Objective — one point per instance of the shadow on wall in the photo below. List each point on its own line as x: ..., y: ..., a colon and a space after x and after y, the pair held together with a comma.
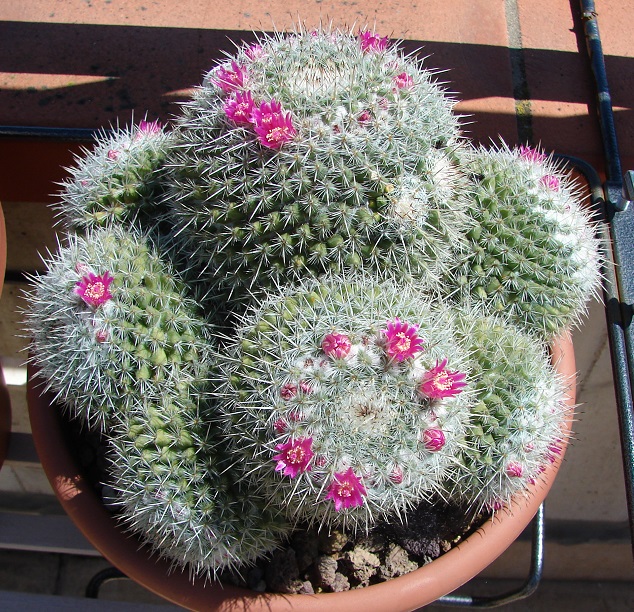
x: 92, y: 76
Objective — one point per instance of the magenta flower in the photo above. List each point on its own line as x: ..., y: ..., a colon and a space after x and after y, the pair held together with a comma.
x: 273, y: 126
x: 230, y: 79
x: 346, y: 490
x: 149, y: 127
x: 396, y: 476
x: 94, y: 289
x: 305, y: 387
x: 514, y: 469
x: 240, y: 108
x: 101, y: 335
x: 294, y: 457
x: 113, y: 154
x: 364, y: 117
x: 336, y: 346
x: 371, y: 43
x: 288, y: 391
x: 403, y: 81
x: 401, y: 340
x: 532, y: 155
x: 433, y: 439
x: 550, y: 181
x: 440, y: 382
x: 254, y: 52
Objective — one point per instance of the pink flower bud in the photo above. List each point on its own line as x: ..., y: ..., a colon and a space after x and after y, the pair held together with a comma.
x: 336, y: 346
x: 514, y: 469
x: 433, y: 439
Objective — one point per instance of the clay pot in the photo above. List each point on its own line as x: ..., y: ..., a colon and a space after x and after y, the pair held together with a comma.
x: 401, y: 594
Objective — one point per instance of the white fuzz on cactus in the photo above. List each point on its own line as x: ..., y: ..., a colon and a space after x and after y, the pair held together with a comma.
x: 345, y: 400
x: 111, y: 323
x: 516, y: 425
x: 118, y: 181
x: 317, y: 152
x: 533, y: 253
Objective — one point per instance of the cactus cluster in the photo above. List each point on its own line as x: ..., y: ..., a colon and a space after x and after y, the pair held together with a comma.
x: 311, y: 301
x: 119, y: 181
x: 127, y: 352
x: 516, y: 425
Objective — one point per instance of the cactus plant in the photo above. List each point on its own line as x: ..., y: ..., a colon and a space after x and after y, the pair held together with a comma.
x: 516, y: 424
x: 125, y: 349
x: 317, y: 152
x: 173, y: 486
x: 533, y: 252
x: 345, y: 399
x: 117, y: 181
x: 111, y: 322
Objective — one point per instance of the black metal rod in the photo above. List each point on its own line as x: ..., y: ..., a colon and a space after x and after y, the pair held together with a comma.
x: 619, y: 268
x: 524, y: 591
x: 606, y: 115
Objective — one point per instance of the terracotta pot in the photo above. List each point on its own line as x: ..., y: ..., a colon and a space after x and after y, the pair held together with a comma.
x: 401, y: 594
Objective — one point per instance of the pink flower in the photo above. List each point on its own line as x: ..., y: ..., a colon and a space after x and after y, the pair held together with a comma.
x: 550, y: 181
x: 346, y: 490
x: 397, y: 475
x: 440, y: 382
x: 514, y: 469
x: 364, y: 117
x: 336, y: 346
x: 403, y: 81
x: 113, y: 154
x: 255, y: 51
x: 280, y: 426
x: 433, y: 439
x: 288, y: 391
x: 94, y: 290
x: 305, y: 387
x: 371, y: 43
x: 273, y: 126
x: 294, y: 457
x: 401, y: 340
x: 230, y: 79
x: 532, y: 155
x: 101, y: 335
x: 149, y: 128
x: 239, y: 108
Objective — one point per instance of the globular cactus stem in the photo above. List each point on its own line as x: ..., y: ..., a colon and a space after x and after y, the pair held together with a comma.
x: 317, y: 152
x: 345, y: 399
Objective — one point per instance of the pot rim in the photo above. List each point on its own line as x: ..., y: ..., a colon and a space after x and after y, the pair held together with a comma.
x: 404, y: 593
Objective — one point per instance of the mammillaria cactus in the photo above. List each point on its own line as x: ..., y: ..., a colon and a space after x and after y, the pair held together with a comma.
x: 169, y: 471
x: 345, y: 400
x: 317, y: 152
x: 311, y: 302
x: 126, y: 350
x: 111, y: 323
x: 118, y: 181
x: 517, y: 421
x: 532, y: 253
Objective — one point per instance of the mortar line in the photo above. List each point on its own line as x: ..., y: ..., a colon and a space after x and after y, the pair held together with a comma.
x: 521, y: 93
